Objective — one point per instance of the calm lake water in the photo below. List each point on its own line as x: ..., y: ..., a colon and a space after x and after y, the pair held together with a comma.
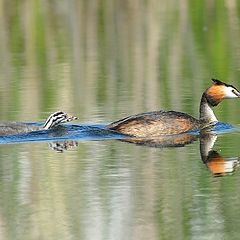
x: 101, y: 61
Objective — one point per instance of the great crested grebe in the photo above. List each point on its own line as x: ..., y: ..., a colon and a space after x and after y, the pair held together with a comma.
x: 52, y: 121
x: 158, y: 123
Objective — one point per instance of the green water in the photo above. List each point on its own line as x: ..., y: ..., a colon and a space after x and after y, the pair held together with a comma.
x: 101, y: 61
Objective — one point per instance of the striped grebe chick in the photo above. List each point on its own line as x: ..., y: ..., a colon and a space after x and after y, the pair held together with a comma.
x: 12, y: 128
x: 153, y: 124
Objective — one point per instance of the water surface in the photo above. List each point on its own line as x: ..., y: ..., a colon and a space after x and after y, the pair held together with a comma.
x: 102, y: 61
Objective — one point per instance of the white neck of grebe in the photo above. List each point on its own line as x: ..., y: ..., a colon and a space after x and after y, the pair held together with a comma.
x: 206, y: 113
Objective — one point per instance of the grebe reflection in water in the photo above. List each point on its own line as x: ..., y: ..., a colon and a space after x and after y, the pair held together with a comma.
x: 217, y: 164
x: 154, y: 124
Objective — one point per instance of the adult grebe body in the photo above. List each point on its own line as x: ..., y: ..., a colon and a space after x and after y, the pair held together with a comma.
x: 10, y: 128
x: 158, y: 123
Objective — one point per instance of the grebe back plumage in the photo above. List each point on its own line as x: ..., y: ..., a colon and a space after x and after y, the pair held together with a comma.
x: 153, y: 124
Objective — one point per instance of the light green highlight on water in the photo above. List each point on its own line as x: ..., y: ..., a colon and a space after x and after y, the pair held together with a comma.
x: 101, y: 61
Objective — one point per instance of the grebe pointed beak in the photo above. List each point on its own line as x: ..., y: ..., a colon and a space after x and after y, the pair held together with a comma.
x: 231, y: 92
x: 236, y: 92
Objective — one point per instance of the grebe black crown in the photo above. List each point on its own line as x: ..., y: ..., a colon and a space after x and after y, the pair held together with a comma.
x: 218, y: 82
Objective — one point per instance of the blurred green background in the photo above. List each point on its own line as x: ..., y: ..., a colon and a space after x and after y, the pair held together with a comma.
x: 107, y: 59
x: 103, y: 60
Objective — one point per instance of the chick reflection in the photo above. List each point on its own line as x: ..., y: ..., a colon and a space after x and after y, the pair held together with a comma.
x: 63, y: 146
x: 217, y: 165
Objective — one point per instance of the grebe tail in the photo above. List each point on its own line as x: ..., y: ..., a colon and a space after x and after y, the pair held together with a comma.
x: 158, y: 123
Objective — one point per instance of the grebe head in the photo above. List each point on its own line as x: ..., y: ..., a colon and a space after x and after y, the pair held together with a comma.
x: 57, y: 118
x: 219, y: 91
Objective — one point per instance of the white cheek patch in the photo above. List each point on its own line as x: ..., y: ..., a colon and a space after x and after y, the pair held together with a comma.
x: 229, y: 92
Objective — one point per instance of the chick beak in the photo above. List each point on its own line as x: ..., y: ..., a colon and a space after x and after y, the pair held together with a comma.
x: 71, y: 118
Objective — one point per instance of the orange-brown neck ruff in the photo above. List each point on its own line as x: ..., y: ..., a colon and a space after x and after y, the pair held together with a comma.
x: 215, y: 94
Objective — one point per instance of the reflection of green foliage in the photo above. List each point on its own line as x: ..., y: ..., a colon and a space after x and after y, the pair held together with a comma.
x: 102, y: 73
x: 9, y: 189
x: 16, y: 44
x: 210, y: 31
x: 40, y: 37
x: 16, y: 34
x: 176, y: 52
x: 41, y: 49
x: 198, y: 22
